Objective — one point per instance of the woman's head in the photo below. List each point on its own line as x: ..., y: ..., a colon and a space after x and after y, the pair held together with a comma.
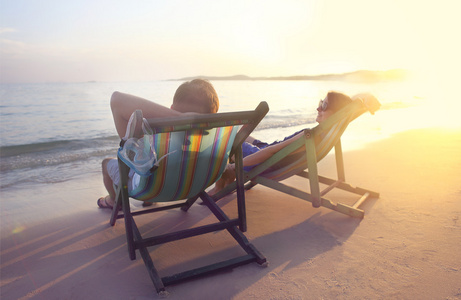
x: 332, y: 103
x: 197, y: 96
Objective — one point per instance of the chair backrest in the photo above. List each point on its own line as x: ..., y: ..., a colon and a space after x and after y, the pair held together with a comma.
x: 197, y: 158
x: 326, y: 136
x: 198, y: 148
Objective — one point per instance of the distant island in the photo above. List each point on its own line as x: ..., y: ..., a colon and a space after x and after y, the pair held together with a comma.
x: 357, y: 76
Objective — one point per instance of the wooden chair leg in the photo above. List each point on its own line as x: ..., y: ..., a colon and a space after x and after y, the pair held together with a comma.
x: 117, y: 207
x: 189, y: 203
x: 313, y: 172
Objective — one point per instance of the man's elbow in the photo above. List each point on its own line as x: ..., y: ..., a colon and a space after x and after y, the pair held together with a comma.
x: 115, y: 96
x: 115, y: 99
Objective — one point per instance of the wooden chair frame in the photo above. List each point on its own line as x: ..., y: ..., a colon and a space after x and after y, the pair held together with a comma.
x: 315, y: 195
x: 249, y: 120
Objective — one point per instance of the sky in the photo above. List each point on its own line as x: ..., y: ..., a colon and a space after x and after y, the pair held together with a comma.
x: 111, y: 40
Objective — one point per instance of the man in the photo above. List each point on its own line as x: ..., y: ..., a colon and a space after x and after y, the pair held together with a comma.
x: 196, y: 96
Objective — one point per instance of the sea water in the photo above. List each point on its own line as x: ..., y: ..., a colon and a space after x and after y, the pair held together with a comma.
x: 53, y: 132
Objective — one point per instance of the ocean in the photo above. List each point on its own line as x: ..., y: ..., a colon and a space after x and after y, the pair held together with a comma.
x: 54, y: 132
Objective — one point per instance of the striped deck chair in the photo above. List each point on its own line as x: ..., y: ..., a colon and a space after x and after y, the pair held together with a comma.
x: 304, y: 154
x: 198, y: 148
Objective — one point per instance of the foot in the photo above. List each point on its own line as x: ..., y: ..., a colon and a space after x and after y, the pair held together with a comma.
x: 147, y: 204
x: 227, y: 177
x: 106, y: 202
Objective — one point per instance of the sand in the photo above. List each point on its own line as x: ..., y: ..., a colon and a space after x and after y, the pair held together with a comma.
x: 56, y: 244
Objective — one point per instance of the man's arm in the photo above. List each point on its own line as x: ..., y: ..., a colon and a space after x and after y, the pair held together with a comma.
x: 123, y: 105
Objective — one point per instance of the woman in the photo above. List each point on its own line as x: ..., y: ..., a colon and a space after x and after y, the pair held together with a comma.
x: 255, y: 151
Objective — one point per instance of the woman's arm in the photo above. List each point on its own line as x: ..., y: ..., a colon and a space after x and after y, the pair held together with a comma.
x: 266, y: 153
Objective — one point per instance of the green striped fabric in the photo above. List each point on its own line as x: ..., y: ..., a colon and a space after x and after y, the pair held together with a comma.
x: 326, y: 137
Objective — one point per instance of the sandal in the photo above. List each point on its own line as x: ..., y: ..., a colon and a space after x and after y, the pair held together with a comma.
x: 102, y: 203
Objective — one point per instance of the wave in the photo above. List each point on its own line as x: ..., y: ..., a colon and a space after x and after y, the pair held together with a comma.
x: 61, y: 160
x: 275, y: 125
x: 55, y: 152
x: 14, y: 150
x: 396, y: 105
x: 275, y: 121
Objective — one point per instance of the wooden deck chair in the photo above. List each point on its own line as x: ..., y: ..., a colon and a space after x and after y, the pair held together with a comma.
x: 305, y: 153
x: 198, y: 147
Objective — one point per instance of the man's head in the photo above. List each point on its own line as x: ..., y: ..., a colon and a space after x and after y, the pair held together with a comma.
x: 333, y: 102
x: 197, y: 96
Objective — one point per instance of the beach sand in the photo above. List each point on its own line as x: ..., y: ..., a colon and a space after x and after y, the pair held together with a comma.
x: 56, y: 244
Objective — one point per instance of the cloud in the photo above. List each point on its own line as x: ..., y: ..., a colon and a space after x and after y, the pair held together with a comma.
x: 6, y: 29
x: 10, y: 48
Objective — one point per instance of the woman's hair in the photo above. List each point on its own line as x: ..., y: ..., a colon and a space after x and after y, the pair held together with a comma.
x: 337, y: 100
x: 197, y: 95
